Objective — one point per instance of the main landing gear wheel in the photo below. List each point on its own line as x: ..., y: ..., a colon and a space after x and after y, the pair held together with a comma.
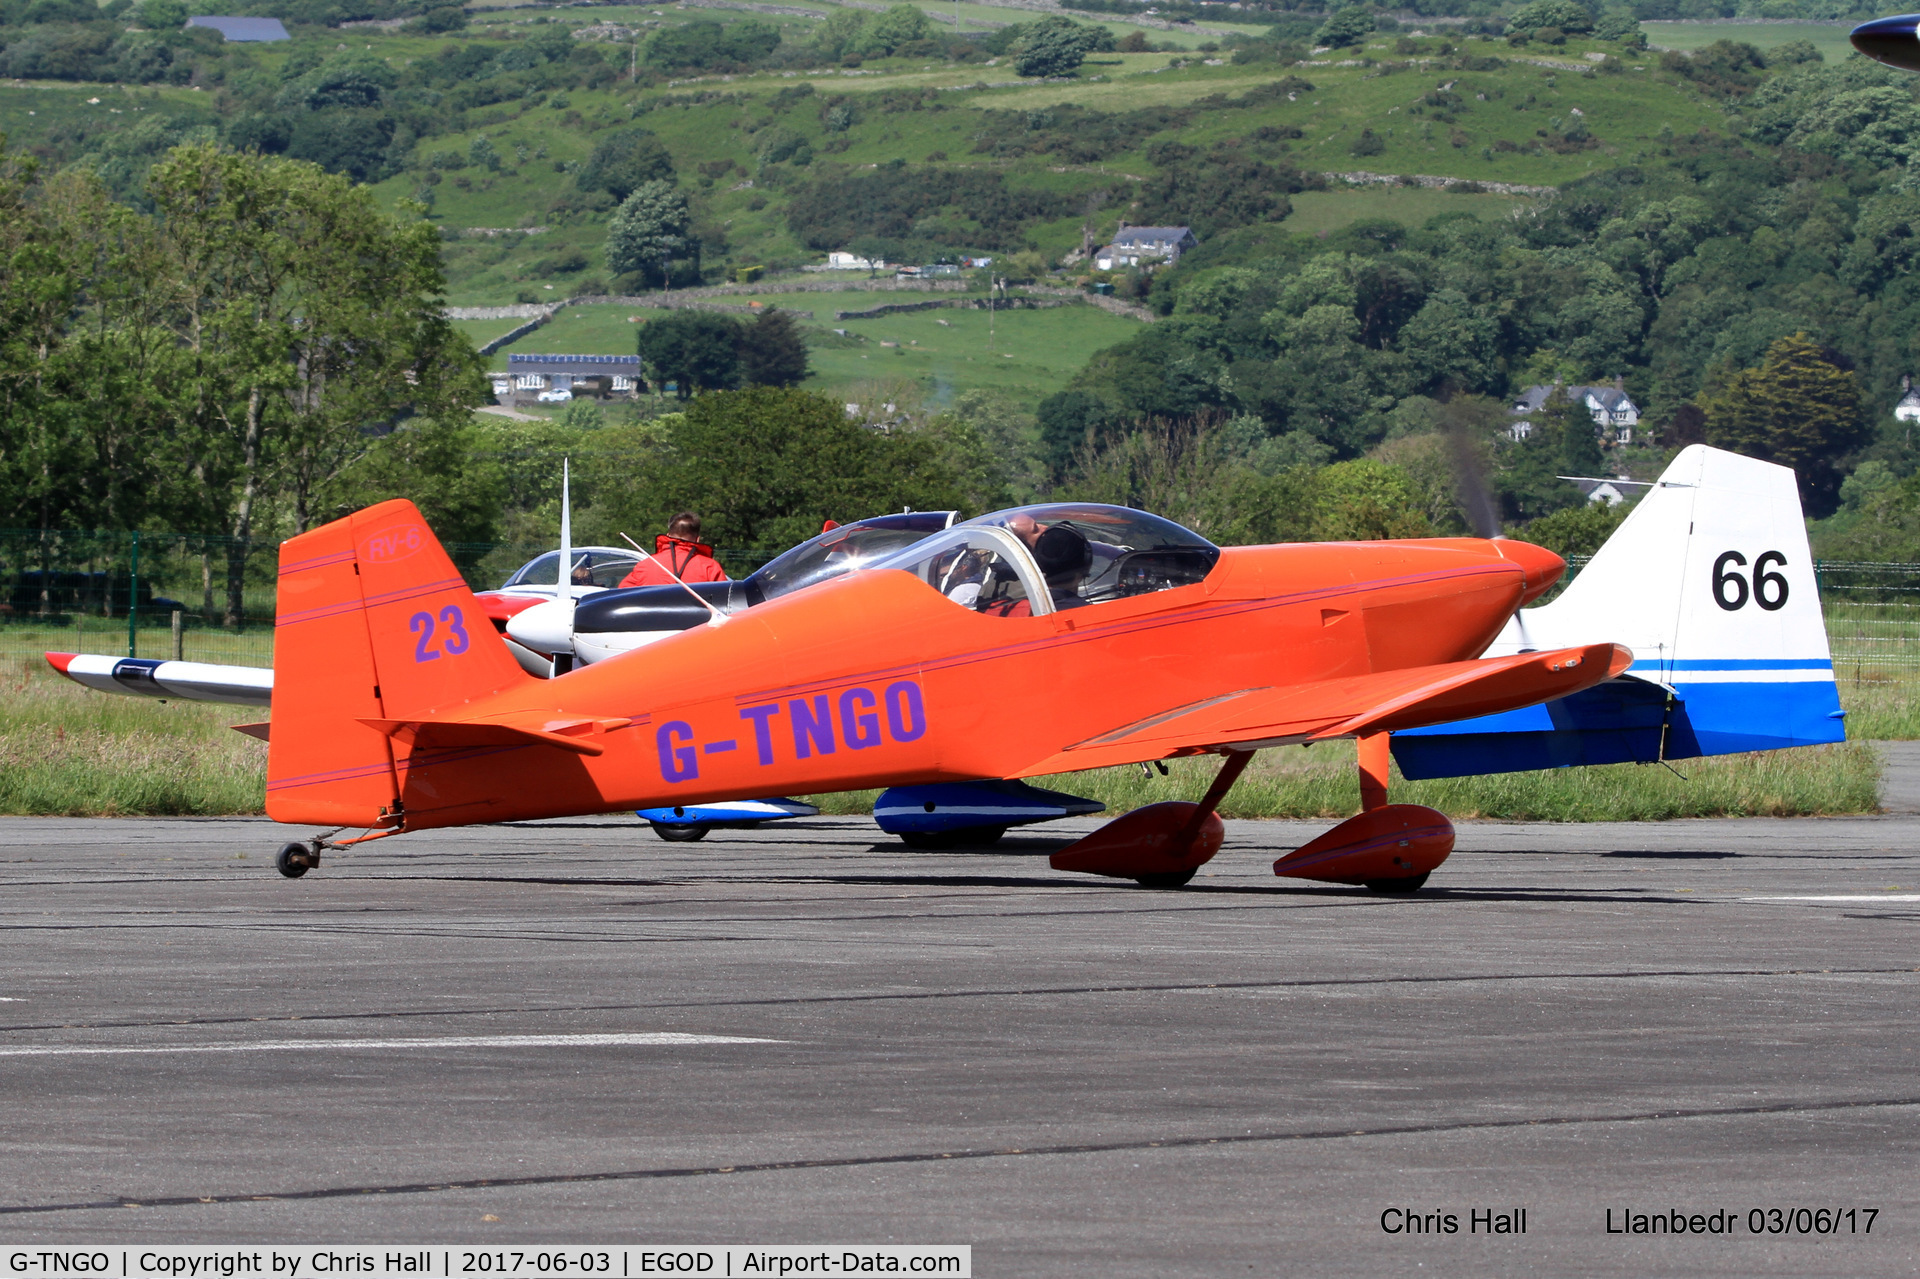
x: 940, y: 840
x: 1168, y: 879
x: 676, y: 834
x: 1405, y: 884
x: 294, y: 860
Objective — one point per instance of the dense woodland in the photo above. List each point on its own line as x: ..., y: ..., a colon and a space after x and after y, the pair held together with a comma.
x: 208, y: 327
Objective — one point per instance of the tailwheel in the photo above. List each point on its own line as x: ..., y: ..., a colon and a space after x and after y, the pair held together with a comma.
x: 680, y: 834
x: 1169, y: 879
x: 1404, y: 884
x: 295, y: 860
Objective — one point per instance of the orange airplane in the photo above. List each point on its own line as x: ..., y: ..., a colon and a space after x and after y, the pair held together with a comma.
x: 1039, y: 640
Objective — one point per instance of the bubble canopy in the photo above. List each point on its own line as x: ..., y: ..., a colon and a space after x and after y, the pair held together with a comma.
x: 1117, y: 526
x: 1127, y: 553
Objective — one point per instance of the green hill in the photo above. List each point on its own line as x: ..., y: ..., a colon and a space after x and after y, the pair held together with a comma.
x: 473, y: 121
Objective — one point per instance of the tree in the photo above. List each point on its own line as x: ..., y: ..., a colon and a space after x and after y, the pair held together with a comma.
x: 649, y: 229
x: 884, y: 33
x: 703, y: 43
x: 1453, y: 343
x: 1070, y: 422
x: 305, y: 313
x: 1364, y: 500
x: 765, y: 466
x: 40, y: 281
x: 161, y: 15
x: 1800, y: 408
x: 1566, y: 15
x: 1055, y: 46
x: 1561, y: 441
x: 444, y: 465
x: 772, y: 350
x: 1345, y: 28
x: 623, y: 161
x: 1577, y: 530
x: 695, y: 350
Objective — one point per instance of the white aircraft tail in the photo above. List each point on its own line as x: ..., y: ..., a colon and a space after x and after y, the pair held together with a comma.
x: 1710, y: 581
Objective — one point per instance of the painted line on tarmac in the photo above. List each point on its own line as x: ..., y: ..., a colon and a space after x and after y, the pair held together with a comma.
x: 1840, y: 897
x: 1437, y: 1128
x: 655, y: 1037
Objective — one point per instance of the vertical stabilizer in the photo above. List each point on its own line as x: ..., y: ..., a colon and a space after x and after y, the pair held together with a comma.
x: 374, y: 623
x: 1710, y: 581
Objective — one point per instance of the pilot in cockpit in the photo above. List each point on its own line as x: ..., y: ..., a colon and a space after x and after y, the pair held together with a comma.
x: 1065, y: 558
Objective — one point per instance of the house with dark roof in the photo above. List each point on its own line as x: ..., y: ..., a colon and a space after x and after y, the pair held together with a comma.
x: 243, y: 30
x: 1611, y: 491
x: 1613, y: 410
x: 1136, y: 245
x: 527, y: 376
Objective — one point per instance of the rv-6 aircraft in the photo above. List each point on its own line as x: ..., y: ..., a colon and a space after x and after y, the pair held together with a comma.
x: 1061, y: 637
x: 984, y: 653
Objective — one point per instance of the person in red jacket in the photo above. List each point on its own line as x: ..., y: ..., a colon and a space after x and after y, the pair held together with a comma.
x: 678, y: 554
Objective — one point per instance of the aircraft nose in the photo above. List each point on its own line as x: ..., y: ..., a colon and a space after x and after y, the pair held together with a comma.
x: 1541, y: 567
x: 1890, y: 40
x: 545, y: 628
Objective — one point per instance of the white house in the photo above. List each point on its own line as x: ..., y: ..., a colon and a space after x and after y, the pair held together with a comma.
x: 528, y: 375
x: 844, y: 261
x: 1908, y: 409
x: 1614, y: 412
x: 1134, y: 245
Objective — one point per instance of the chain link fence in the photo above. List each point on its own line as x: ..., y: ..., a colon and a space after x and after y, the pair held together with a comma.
x: 173, y: 595
x: 203, y: 598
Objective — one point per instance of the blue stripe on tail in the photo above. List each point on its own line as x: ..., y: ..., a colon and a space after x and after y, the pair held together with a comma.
x: 1623, y: 720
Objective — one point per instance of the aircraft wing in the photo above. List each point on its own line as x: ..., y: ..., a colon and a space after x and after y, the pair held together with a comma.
x: 1349, y: 707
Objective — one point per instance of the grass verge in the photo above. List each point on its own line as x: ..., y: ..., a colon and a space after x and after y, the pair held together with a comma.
x: 1322, y: 783
x: 69, y: 751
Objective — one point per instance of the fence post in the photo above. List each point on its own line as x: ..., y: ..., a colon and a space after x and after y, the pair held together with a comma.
x: 179, y: 640
x: 133, y: 598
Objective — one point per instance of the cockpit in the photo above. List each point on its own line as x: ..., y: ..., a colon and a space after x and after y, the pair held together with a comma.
x: 841, y: 550
x: 1033, y: 560
x: 602, y: 567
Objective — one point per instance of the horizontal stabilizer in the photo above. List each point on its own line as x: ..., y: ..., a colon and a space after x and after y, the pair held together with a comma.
x: 1361, y: 704
x: 153, y: 677
x: 428, y: 734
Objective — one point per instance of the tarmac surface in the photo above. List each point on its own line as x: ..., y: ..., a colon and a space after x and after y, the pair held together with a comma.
x: 574, y: 1032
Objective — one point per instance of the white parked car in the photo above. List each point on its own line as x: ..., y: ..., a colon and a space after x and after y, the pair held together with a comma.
x: 554, y: 397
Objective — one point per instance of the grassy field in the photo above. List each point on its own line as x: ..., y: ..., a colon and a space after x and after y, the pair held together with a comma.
x: 481, y: 332
x: 1828, y: 37
x: 67, y: 750
x: 973, y: 17
x: 1028, y: 353
x: 1322, y: 212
